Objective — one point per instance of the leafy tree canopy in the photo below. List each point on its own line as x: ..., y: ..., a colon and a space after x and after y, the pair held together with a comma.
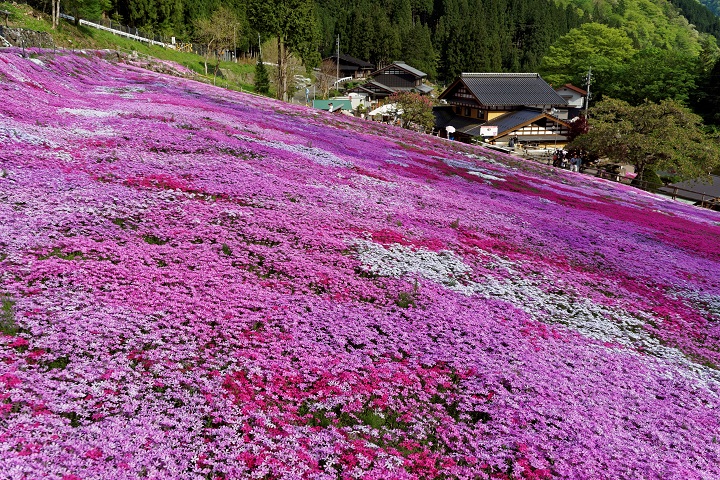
x: 591, y: 46
x: 414, y: 110
x: 654, y: 75
x: 660, y: 136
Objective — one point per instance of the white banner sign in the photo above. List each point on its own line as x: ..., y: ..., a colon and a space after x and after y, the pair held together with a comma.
x: 489, y: 131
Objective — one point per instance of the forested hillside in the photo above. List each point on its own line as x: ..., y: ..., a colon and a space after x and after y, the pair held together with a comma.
x: 441, y: 37
x: 712, y: 5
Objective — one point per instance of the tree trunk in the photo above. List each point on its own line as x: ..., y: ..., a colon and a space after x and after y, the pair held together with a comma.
x: 55, y: 4
x: 282, y: 70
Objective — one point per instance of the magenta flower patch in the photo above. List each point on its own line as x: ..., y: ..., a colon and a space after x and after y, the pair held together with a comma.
x: 197, y: 283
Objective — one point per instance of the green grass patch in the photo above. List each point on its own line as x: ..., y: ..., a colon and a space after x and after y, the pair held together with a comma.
x: 7, y: 317
x: 58, y: 252
x: 231, y: 75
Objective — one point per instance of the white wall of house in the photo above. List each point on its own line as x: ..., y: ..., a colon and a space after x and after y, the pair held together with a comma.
x: 574, y: 99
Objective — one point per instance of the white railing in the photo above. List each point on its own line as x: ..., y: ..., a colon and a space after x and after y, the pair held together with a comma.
x: 113, y: 31
x: 342, y: 80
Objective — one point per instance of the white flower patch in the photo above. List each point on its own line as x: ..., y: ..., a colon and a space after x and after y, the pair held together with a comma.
x: 124, y: 92
x: 37, y: 61
x: 396, y: 261
x: 472, y: 168
x: 317, y: 155
x: 396, y: 162
x: 598, y: 322
x: 88, y: 112
x: 486, y: 176
x: 708, y: 304
x: 483, y: 159
x: 104, y: 132
x: 18, y: 136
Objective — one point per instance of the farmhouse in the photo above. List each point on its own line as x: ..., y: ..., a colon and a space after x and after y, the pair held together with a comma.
x: 351, y: 66
x: 504, y: 109
x: 397, y: 77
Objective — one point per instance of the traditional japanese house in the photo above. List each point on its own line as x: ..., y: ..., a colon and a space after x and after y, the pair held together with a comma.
x: 397, y: 77
x: 351, y: 66
x: 516, y: 108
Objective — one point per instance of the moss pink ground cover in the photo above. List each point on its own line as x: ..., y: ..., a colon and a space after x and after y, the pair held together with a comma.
x: 203, y: 284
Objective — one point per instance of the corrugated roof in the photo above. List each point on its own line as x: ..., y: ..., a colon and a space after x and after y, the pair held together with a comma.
x: 511, y: 89
x: 410, y: 69
x: 403, y: 66
x: 336, y: 103
x: 373, y: 83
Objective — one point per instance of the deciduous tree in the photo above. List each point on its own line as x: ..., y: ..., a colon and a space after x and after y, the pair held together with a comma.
x: 658, y: 136
x: 414, y: 110
x: 591, y: 46
x: 217, y: 32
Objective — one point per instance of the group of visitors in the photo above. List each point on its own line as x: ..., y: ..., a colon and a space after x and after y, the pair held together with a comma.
x: 568, y: 160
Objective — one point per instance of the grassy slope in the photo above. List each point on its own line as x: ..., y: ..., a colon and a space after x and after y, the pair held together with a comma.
x: 236, y: 76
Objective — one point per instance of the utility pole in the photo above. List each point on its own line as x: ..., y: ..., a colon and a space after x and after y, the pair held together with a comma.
x: 337, y: 63
x: 588, y: 81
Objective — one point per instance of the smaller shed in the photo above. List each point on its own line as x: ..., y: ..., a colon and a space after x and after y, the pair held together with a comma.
x: 337, y: 104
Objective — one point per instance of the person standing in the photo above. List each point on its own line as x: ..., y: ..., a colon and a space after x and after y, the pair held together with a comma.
x: 575, y: 163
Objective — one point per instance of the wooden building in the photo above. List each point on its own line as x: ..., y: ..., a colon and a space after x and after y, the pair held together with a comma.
x: 397, y: 77
x: 351, y: 66
x: 521, y: 106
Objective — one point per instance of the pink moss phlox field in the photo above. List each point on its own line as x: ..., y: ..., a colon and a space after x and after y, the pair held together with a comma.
x: 197, y: 283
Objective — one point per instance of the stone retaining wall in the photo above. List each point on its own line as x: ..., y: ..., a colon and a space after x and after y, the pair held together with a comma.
x: 19, y: 37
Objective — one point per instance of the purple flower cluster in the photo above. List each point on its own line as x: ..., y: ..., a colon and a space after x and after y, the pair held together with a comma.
x: 197, y: 283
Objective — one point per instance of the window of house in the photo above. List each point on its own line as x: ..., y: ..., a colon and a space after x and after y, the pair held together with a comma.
x: 481, y: 114
x: 467, y: 111
x: 458, y: 110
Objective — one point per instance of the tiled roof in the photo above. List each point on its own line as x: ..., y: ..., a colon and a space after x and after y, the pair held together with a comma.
x: 511, y: 89
x: 444, y: 117
x: 513, y: 119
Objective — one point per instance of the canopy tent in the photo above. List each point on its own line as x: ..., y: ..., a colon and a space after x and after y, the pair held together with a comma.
x: 387, y: 109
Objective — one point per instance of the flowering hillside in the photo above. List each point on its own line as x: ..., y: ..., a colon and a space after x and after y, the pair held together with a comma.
x: 197, y: 283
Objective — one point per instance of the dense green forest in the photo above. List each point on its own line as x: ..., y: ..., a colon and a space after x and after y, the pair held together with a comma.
x: 712, y: 5
x: 636, y: 49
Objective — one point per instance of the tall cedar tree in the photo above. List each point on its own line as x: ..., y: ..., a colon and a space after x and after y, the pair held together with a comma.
x: 294, y: 25
x: 262, y: 79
